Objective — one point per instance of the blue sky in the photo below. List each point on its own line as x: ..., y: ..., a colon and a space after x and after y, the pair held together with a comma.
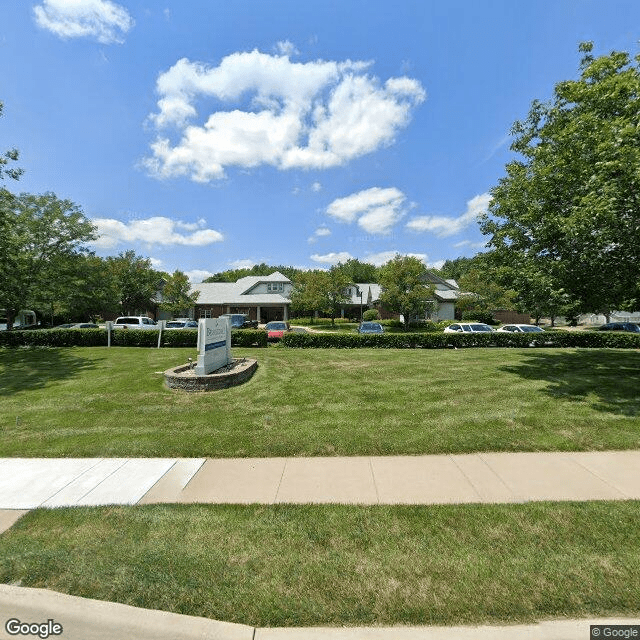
x: 208, y: 135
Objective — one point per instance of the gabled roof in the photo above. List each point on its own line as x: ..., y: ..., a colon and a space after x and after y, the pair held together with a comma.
x: 235, y: 292
x: 432, y: 278
x: 370, y: 293
x: 249, y: 282
x: 446, y: 295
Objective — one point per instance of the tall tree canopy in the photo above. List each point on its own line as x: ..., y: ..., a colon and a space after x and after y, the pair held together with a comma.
x: 42, y: 240
x: 321, y: 291
x: 9, y: 156
x: 137, y: 282
x: 176, y: 294
x: 359, y: 271
x: 403, y: 287
x: 569, y: 210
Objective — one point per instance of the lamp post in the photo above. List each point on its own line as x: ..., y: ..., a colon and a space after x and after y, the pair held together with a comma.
x: 360, y: 294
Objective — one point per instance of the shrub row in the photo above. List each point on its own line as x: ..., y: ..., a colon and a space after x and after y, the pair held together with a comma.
x: 257, y: 338
x: 592, y: 339
x: 121, y: 338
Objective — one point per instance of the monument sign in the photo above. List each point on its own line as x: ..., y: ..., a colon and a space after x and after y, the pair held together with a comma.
x: 214, y: 345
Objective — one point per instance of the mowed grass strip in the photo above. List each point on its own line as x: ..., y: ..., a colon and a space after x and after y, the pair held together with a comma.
x: 113, y: 402
x: 337, y: 565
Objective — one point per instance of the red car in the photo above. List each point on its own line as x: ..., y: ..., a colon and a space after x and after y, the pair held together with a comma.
x: 275, y: 330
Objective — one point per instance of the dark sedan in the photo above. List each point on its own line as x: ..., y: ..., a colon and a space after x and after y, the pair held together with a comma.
x: 370, y: 327
x: 632, y: 327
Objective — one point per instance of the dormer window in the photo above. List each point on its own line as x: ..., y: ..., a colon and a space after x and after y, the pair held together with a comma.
x: 275, y: 286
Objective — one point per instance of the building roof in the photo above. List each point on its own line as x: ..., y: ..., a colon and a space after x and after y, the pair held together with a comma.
x: 446, y: 295
x: 370, y: 293
x: 235, y: 293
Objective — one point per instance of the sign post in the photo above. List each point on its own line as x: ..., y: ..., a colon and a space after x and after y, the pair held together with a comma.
x: 214, y: 345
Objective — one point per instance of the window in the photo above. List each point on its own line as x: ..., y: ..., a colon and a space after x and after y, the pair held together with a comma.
x: 275, y: 286
x: 205, y: 313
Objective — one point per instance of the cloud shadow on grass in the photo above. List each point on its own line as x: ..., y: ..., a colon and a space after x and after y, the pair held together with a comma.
x: 611, y: 377
x: 34, y: 368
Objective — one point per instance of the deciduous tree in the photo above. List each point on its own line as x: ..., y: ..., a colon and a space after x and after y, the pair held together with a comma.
x: 403, y: 287
x: 570, y: 207
x: 136, y: 280
x: 45, y: 235
x: 176, y: 294
x: 321, y: 291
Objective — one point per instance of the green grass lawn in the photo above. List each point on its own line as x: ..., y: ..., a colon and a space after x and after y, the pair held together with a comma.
x: 112, y: 402
x: 337, y: 565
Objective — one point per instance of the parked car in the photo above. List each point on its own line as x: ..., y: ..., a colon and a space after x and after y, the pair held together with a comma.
x: 276, y: 329
x: 240, y: 321
x: 76, y: 325
x: 182, y: 324
x: 620, y: 326
x: 370, y: 327
x: 134, y: 322
x: 521, y: 328
x: 468, y: 327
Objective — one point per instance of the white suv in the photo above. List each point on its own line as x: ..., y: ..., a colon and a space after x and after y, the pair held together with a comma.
x: 468, y: 327
x: 134, y: 322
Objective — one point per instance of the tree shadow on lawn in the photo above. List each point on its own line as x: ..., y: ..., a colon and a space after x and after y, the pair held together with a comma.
x: 34, y: 368
x: 611, y: 376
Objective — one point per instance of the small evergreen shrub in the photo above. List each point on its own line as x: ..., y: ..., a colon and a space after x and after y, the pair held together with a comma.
x: 370, y: 315
x: 392, y: 322
x: 249, y: 338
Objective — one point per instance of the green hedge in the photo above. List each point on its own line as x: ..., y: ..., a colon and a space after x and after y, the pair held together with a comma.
x: 595, y: 339
x: 249, y: 338
x: 54, y: 338
x: 258, y: 338
x: 121, y: 338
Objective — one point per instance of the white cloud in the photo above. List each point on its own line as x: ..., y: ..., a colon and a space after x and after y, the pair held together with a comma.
x: 156, y: 230
x: 375, y: 209
x: 156, y: 263
x: 378, y: 259
x: 103, y: 20
x: 332, y: 258
x: 286, y: 48
x: 315, y: 187
x: 247, y: 263
x: 444, y: 226
x: 470, y: 244
x: 321, y: 232
x: 270, y: 110
x: 198, y: 275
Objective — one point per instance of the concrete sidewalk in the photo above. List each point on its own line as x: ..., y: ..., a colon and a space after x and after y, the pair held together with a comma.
x: 485, y: 477
x: 85, y: 619
x: 26, y: 483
